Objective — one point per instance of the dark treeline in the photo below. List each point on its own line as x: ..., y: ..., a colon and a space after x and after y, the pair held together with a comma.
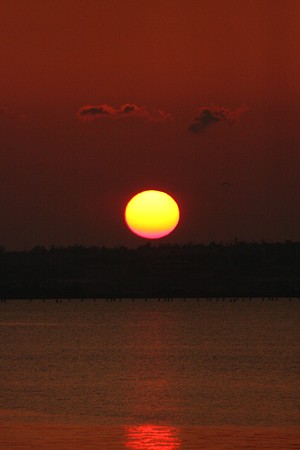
x: 190, y: 270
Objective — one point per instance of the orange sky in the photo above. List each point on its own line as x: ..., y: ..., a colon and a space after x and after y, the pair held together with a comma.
x: 66, y: 180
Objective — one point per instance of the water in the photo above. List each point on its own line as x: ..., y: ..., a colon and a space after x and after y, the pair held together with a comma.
x: 150, y: 374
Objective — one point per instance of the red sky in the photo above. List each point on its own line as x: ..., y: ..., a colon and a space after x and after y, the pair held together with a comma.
x: 213, y: 94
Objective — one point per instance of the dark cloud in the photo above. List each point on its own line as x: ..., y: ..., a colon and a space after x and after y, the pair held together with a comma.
x: 128, y: 109
x: 207, y: 117
x: 89, y: 112
x: 92, y: 112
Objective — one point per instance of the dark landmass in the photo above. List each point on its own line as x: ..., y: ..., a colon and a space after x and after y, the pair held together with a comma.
x: 214, y: 270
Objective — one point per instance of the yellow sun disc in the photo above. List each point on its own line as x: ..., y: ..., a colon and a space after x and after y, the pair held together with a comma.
x: 152, y: 214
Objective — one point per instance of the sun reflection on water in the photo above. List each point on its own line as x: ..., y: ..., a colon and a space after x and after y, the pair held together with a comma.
x: 152, y: 437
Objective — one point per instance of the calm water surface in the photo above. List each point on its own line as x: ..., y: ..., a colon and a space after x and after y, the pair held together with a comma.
x: 149, y: 374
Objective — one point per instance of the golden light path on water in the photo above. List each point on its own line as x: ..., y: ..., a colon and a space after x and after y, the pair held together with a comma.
x: 152, y: 437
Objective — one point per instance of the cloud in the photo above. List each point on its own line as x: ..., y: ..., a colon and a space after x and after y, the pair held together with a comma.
x: 92, y: 112
x: 207, y: 117
x: 89, y: 112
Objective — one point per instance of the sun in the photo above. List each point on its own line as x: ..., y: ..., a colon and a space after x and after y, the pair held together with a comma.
x: 152, y: 214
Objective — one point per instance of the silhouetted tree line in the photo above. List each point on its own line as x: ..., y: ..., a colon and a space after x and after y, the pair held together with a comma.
x: 164, y: 270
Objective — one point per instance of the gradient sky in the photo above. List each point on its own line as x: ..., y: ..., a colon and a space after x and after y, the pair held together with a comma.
x: 103, y: 99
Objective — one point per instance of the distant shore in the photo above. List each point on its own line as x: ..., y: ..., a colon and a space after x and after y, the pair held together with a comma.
x: 164, y: 271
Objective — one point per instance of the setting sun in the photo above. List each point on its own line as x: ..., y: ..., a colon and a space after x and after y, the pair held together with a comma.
x: 152, y: 214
